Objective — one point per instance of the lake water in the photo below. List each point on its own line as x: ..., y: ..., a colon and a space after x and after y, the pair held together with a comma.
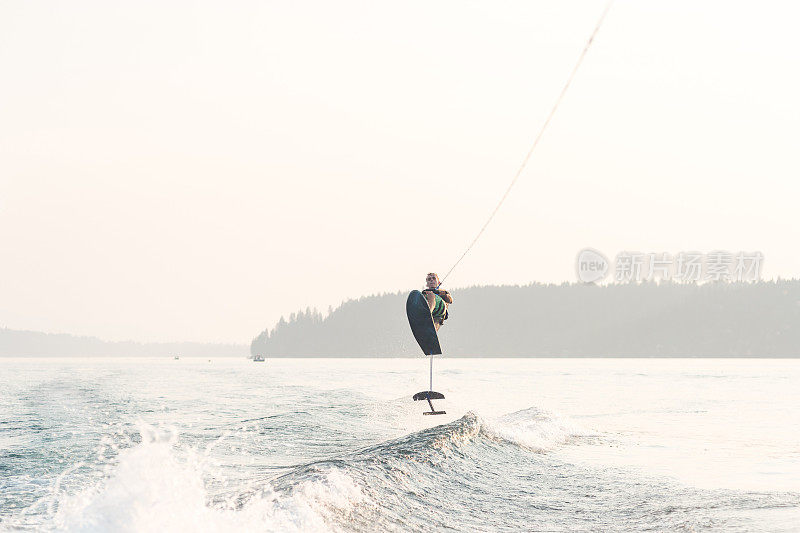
x: 338, y: 445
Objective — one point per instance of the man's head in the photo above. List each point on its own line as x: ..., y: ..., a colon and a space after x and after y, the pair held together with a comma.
x: 432, y: 280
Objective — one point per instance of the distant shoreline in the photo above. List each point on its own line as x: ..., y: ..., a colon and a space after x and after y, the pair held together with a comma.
x: 23, y: 343
x: 421, y: 357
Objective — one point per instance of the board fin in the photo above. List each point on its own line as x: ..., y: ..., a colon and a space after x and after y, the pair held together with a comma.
x: 430, y: 395
x: 424, y: 395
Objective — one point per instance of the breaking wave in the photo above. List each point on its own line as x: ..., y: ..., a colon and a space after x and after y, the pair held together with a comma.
x: 470, y: 474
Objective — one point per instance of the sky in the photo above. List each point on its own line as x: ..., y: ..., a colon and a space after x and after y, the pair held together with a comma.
x: 181, y: 170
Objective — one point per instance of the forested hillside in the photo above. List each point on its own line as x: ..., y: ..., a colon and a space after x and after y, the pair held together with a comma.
x: 647, y: 319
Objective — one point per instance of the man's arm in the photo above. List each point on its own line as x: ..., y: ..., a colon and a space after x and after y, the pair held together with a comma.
x: 442, y: 293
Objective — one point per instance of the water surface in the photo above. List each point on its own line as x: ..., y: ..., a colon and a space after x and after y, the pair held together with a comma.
x: 338, y: 445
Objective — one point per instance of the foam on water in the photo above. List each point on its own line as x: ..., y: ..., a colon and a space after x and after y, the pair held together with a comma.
x: 537, y: 429
x: 156, y: 485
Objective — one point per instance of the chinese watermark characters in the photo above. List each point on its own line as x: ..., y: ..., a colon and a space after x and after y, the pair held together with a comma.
x: 684, y: 267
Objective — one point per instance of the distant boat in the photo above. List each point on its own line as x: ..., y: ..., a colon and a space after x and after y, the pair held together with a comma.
x: 258, y: 359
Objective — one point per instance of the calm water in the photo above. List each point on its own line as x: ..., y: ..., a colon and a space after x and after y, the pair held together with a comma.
x: 321, y: 445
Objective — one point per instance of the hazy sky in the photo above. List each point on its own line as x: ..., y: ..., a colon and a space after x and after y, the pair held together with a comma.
x: 195, y: 170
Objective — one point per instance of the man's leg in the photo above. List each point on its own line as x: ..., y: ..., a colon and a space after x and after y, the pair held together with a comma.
x: 431, y: 300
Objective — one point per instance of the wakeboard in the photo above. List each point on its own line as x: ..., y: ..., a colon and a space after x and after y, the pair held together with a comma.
x: 421, y: 322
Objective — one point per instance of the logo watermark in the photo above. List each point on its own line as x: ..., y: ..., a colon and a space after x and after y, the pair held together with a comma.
x: 685, y: 267
x: 591, y: 265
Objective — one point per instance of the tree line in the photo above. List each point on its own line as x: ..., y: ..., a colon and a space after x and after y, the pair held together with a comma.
x: 647, y: 319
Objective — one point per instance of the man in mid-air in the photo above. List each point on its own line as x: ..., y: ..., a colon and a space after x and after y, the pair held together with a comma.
x: 438, y: 299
